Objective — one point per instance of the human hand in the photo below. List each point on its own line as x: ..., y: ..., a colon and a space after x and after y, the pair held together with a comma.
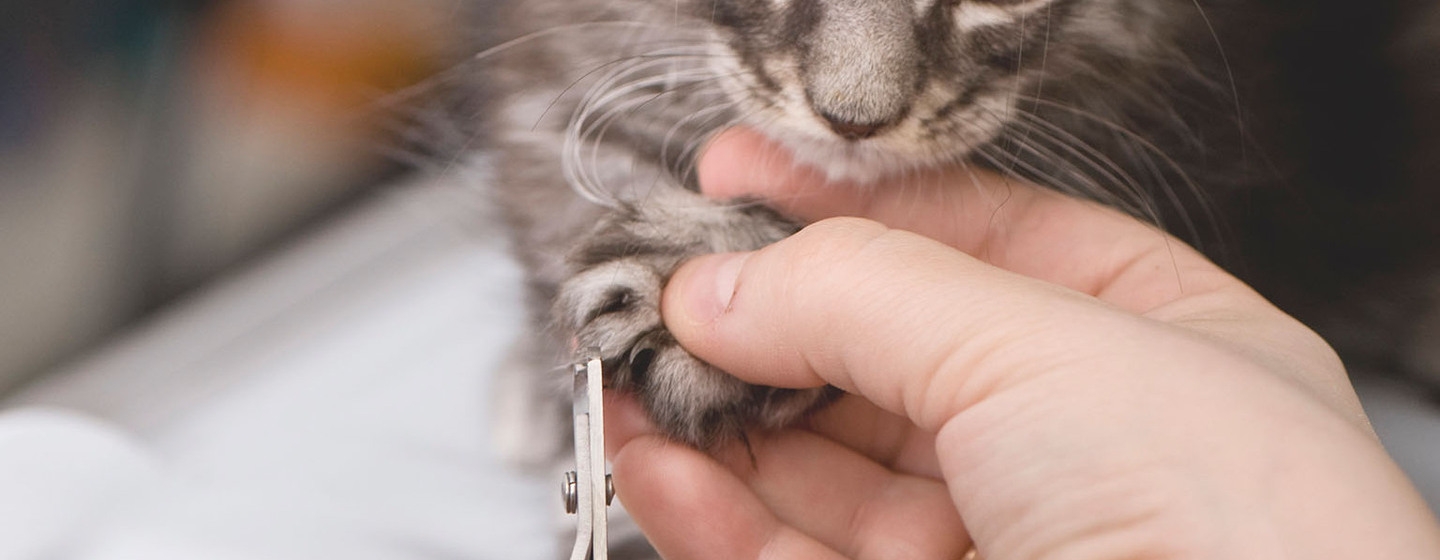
x: 1047, y: 375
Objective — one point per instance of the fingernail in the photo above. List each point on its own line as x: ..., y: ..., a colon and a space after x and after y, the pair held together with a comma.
x: 709, y: 285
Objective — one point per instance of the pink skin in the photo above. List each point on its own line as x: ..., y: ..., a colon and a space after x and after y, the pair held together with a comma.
x: 1048, y: 376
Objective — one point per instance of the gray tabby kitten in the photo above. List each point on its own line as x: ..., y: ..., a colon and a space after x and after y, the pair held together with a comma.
x: 599, y: 107
x: 1182, y: 112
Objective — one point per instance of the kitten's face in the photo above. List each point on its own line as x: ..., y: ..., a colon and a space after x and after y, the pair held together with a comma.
x: 874, y: 87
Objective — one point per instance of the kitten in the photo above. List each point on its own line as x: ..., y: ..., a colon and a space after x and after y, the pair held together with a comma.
x: 599, y: 107
x: 1204, y: 117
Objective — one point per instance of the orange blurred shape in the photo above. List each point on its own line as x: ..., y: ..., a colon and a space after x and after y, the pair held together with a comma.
x: 341, y: 55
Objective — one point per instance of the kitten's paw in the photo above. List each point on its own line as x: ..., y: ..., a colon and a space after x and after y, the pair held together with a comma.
x: 613, y: 303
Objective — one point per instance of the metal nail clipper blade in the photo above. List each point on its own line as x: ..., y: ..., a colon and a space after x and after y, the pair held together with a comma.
x: 587, y: 489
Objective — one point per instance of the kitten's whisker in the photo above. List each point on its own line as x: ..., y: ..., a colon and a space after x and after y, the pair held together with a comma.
x: 632, y: 59
x: 998, y: 206
x: 984, y: 155
x: 605, y: 102
x: 691, y: 151
x: 723, y: 105
x: 1012, y: 107
x: 703, y: 114
x: 690, y: 82
x: 1148, y: 150
x: 1229, y: 71
x: 1083, y: 152
x: 1117, y: 128
x: 1080, y: 183
x: 458, y: 70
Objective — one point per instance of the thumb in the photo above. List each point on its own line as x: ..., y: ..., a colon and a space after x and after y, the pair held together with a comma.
x: 906, y: 322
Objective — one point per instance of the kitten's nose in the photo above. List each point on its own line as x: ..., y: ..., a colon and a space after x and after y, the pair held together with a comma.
x: 851, y: 130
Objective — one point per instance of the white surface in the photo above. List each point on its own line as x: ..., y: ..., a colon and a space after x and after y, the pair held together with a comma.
x: 63, y: 474
x: 330, y: 404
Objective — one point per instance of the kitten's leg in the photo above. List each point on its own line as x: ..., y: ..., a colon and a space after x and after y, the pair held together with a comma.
x: 611, y: 301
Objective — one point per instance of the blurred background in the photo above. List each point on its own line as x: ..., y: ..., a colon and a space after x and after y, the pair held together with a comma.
x: 238, y: 318
x: 148, y: 145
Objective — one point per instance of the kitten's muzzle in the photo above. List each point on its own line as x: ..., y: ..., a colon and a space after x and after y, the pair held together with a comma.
x: 860, y: 66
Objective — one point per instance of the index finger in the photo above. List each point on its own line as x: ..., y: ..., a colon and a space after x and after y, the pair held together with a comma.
x: 1037, y: 233
x: 1004, y: 221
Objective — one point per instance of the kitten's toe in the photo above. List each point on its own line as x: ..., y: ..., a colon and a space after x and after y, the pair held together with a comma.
x: 610, y: 306
x: 615, y: 307
x: 694, y: 402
